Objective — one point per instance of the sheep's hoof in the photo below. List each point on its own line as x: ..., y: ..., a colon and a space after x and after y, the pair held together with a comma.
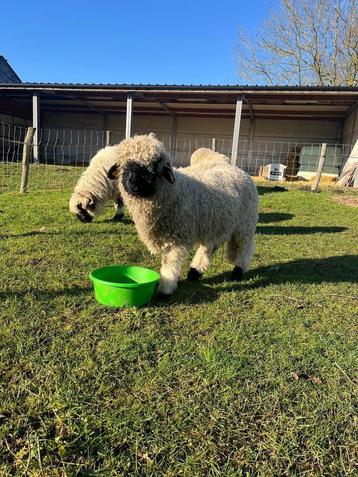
x: 237, y: 274
x: 118, y: 218
x: 163, y: 296
x: 194, y: 275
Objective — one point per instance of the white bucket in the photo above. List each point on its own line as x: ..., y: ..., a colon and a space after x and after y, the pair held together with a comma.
x: 276, y: 172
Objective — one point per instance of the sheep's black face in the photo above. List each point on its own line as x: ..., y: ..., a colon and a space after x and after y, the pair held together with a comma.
x: 139, y: 180
x: 83, y: 215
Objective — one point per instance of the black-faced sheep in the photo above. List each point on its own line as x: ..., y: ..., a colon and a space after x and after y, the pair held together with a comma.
x: 93, y: 189
x: 176, y: 210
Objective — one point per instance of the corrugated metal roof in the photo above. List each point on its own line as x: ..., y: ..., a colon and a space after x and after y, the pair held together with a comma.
x: 181, y: 87
x: 7, y: 74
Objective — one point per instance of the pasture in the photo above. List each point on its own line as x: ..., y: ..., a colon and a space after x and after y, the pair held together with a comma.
x: 257, y: 378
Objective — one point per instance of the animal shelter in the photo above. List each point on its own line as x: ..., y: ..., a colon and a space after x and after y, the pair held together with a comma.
x: 254, y: 125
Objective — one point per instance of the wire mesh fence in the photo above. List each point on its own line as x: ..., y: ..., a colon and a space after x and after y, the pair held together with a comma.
x: 11, y: 146
x: 58, y: 156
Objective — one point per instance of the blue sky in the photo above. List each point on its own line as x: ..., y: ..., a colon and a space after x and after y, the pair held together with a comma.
x: 126, y: 42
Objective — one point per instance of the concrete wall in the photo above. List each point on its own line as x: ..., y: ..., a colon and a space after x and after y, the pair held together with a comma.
x: 350, y: 128
x: 13, y: 120
x: 265, y: 129
x: 272, y: 139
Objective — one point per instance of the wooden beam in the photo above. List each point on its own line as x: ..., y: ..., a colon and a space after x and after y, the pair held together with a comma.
x: 174, y: 136
x: 322, y: 158
x: 199, y: 114
x: 293, y: 114
x: 166, y: 108
x: 26, y: 153
x: 251, y: 142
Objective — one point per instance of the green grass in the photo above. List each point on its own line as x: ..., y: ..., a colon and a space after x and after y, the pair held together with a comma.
x: 202, y: 385
x: 41, y: 176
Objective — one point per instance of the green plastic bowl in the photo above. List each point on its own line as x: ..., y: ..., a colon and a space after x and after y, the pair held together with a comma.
x: 124, y: 285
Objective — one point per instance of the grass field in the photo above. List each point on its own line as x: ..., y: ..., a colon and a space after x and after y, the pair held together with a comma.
x: 257, y: 378
x: 41, y: 176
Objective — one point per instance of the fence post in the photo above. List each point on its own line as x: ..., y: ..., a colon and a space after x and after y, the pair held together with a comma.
x: 108, y: 138
x: 213, y: 143
x: 26, y: 153
x: 173, y: 140
x: 322, y: 158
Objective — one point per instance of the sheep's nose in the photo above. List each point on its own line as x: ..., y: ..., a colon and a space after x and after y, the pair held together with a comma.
x: 85, y: 218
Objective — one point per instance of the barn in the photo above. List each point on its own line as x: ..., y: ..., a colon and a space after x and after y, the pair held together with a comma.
x: 255, y: 125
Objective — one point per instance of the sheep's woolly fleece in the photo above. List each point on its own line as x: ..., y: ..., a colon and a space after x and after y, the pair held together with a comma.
x: 143, y: 149
x: 93, y: 188
x: 204, y: 207
x: 206, y: 158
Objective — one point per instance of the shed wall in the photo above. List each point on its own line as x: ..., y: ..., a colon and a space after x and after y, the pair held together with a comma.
x: 350, y: 128
x: 265, y: 129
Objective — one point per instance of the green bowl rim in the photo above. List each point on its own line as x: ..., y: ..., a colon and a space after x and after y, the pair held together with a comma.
x: 122, y: 285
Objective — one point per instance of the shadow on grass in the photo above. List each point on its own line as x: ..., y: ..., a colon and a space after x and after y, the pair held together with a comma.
x: 84, y: 231
x: 269, y: 190
x: 308, y: 271
x: 124, y: 221
x: 268, y: 217
x: 297, y: 230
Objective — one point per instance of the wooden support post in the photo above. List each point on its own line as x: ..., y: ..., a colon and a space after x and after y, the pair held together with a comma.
x: 213, y: 143
x: 36, y: 125
x: 108, y: 138
x: 349, y: 174
x: 129, y: 116
x: 355, y: 180
x: 250, y: 145
x: 26, y: 153
x: 322, y: 158
x: 173, y: 144
x: 236, y: 135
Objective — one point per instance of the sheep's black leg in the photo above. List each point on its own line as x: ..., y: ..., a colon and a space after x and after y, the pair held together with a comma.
x: 193, y: 275
x: 237, y: 274
x: 200, y: 262
x: 119, y: 216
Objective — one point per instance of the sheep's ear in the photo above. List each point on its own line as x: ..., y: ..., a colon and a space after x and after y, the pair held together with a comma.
x: 113, y: 172
x: 91, y: 204
x: 152, y: 135
x: 168, y: 174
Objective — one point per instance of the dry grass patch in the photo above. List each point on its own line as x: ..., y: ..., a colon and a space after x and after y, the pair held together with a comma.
x: 346, y: 200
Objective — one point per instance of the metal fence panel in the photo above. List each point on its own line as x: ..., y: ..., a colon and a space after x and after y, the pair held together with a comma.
x: 64, y: 153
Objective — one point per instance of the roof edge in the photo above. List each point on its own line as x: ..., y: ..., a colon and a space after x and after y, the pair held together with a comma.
x: 12, y: 70
x: 176, y: 87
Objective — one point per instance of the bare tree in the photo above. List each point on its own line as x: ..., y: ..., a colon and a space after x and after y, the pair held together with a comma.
x: 303, y: 42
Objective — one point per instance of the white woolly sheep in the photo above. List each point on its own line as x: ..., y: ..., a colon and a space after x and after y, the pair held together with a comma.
x: 93, y: 189
x: 206, y: 158
x: 176, y: 210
